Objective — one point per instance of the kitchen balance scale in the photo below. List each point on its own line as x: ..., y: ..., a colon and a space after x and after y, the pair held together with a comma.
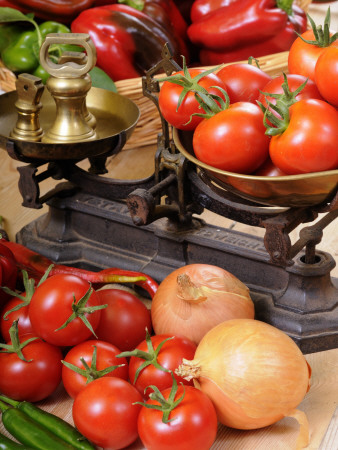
x: 154, y: 224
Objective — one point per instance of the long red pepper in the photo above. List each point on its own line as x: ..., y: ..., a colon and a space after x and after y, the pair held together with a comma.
x: 282, y: 41
x: 8, y: 272
x: 36, y: 265
x: 234, y: 25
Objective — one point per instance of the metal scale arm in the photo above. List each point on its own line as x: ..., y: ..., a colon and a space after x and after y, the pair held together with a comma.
x: 172, y: 171
x: 293, y: 290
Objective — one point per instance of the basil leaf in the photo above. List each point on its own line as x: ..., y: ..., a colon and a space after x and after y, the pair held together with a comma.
x: 101, y: 80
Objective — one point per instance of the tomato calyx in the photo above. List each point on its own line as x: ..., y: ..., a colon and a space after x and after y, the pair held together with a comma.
x: 16, y: 346
x: 288, y: 97
x: 189, y: 83
x: 29, y: 288
x: 211, y: 103
x: 150, y: 357
x: 80, y: 310
x: 321, y: 34
x: 90, y: 372
x: 275, y: 124
x: 252, y: 60
x: 166, y: 406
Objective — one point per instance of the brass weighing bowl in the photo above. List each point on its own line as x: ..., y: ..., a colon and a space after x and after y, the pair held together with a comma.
x: 285, y: 191
x: 114, y: 113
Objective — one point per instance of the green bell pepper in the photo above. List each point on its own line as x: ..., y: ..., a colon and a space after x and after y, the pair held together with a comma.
x: 20, y: 41
x: 22, y: 53
x: 8, y: 33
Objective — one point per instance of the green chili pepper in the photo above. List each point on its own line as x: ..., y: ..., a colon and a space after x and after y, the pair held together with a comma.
x: 28, y: 432
x: 8, y: 444
x: 52, y: 423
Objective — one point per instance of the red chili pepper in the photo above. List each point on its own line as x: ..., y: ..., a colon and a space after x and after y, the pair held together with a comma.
x: 63, y: 11
x: 36, y: 265
x: 127, y: 41
x: 297, y: 23
x: 234, y: 25
x: 8, y: 271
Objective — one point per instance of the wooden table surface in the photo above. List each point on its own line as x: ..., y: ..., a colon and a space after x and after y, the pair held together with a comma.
x: 320, y: 404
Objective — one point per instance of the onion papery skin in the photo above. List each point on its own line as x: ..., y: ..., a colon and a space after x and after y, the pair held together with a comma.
x: 253, y: 372
x: 217, y: 296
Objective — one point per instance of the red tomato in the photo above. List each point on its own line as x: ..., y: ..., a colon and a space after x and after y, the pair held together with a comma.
x: 170, y: 357
x: 169, y: 97
x: 294, y: 80
x: 51, y: 306
x: 105, y: 414
x: 326, y: 74
x: 35, y: 379
x: 124, y: 321
x: 268, y: 169
x: 105, y: 357
x: 192, y: 424
x: 243, y: 81
x: 309, y: 144
x: 303, y: 57
x: 24, y: 324
x: 233, y: 140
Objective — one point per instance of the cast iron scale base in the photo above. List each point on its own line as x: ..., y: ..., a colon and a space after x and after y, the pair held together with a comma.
x: 152, y: 225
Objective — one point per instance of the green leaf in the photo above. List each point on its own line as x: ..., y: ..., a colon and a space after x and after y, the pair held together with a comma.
x: 101, y: 80
x: 13, y: 15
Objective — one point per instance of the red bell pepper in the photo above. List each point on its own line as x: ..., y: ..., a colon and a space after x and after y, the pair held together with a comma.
x: 63, y: 11
x: 184, y: 7
x: 127, y: 41
x: 7, y: 4
x: 240, y: 22
x: 201, y: 8
x: 297, y: 23
x: 165, y: 12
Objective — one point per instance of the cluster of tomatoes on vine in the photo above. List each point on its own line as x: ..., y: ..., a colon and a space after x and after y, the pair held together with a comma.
x: 246, y: 121
x: 98, y: 345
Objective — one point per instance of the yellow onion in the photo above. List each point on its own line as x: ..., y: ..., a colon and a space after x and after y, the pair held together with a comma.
x: 197, y: 297
x: 254, y: 374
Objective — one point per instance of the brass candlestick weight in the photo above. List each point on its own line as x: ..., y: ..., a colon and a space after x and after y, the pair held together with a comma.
x: 28, y: 105
x: 68, y: 84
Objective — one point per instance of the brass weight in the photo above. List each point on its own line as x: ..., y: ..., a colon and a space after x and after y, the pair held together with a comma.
x: 79, y: 58
x: 68, y: 84
x: 28, y: 105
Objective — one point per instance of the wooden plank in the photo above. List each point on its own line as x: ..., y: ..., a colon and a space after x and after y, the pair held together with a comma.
x: 330, y: 440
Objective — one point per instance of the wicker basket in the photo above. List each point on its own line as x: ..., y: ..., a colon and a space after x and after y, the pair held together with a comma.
x: 149, y: 125
x: 7, y: 79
